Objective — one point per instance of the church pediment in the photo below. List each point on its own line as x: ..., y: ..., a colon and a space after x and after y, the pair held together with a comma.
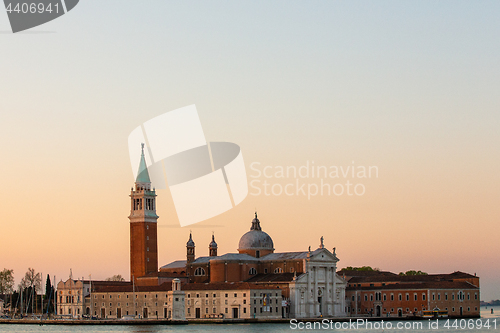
x: 323, y: 255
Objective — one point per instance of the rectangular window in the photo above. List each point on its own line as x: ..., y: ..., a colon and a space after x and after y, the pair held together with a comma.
x: 244, y: 310
x: 371, y: 297
x: 407, y: 297
x: 445, y: 297
x: 392, y: 297
x: 385, y: 297
x: 439, y: 297
x: 415, y: 297
x: 423, y: 297
x: 400, y: 297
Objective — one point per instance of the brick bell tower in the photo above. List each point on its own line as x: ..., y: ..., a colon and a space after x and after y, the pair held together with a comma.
x: 143, y: 225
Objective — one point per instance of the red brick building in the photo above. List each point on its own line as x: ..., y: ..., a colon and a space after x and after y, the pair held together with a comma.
x: 255, y: 256
x: 382, y: 294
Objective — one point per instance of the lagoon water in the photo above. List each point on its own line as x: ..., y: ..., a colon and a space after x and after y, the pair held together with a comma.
x: 243, y: 328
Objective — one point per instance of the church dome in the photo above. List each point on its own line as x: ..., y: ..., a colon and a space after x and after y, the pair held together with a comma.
x: 256, y: 239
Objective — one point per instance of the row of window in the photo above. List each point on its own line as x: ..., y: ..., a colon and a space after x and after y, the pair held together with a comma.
x: 407, y: 310
x: 226, y: 310
x: 127, y: 296
x: 149, y: 204
x: 379, y: 296
x: 234, y: 295
x: 215, y: 295
x: 69, y: 299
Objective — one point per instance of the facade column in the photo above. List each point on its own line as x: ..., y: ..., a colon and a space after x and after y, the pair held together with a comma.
x: 309, y: 312
x: 342, y: 309
x: 329, y: 298
x: 315, y: 293
x: 334, y: 286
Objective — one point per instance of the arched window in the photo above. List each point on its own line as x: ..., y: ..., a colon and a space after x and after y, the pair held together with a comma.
x: 199, y: 271
x: 253, y: 271
x: 278, y: 270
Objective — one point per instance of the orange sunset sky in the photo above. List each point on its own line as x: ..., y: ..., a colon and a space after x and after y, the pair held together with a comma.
x: 411, y: 88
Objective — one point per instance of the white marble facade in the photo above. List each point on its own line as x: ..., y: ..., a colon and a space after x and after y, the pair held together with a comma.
x: 319, y: 291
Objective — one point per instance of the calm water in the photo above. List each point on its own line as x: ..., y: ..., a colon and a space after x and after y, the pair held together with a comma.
x: 241, y: 328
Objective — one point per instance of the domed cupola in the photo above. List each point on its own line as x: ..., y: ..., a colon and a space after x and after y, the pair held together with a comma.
x: 212, y: 247
x: 190, y: 249
x: 256, y: 242
x: 190, y: 242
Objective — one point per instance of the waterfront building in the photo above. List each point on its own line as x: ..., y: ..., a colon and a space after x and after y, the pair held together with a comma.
x: 165, y: 301
x: 72, y: 296
x: 232, y: 300
x: 382, y: 294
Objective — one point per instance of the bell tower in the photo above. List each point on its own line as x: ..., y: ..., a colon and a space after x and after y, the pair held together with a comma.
x: 143, y: 225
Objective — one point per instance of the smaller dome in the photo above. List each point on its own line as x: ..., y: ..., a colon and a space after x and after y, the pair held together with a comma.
x: 190, y: 242
x: 213, y: 244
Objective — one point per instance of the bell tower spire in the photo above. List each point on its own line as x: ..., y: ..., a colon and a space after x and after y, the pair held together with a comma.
x: 190, y: 249
x: 143, y: 224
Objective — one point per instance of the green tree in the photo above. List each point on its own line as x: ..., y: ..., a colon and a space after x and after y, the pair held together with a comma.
x: 117, y: 277
x: 412, y: 272
x: 363, y: 268
x: 49, y: 295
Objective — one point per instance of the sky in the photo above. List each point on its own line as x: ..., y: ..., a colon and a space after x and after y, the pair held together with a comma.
x: 408, y: 87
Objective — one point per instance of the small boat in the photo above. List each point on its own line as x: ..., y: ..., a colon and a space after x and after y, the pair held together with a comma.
x: 436, y: 313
